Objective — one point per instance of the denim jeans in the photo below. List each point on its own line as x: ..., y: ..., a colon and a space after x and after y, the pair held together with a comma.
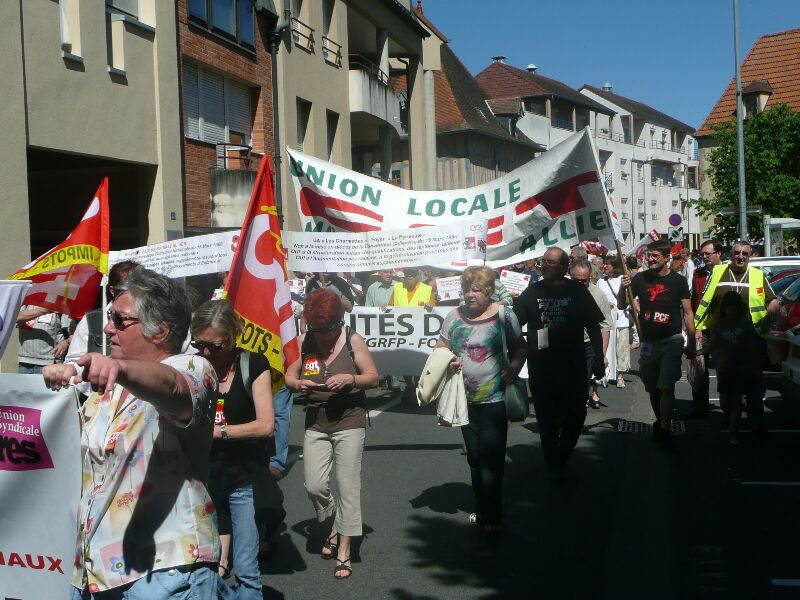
x: 28, y: 369
x: 485, y: 440
x: 283, y: 418
x: 167, y: 584
x: 244, y: 543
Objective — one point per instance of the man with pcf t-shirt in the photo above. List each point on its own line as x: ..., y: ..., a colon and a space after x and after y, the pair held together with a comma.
x: 662, y: 295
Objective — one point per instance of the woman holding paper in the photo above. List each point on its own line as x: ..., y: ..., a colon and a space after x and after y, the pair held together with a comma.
x: 473, y: 333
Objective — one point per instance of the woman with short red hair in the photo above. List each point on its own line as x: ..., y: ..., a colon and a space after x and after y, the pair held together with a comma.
x: 333, y: 371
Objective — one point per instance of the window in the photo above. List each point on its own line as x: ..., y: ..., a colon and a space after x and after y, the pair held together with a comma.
x: 327, y: 16
x: 70, y: 27
x: 639, y: 174
x: 233, y: 19
x: 332, y: 122
x: 130, y: 7
x: 215, y: 109
x: 537, y: 106
x: 303, y: 116
x: 624, y: 200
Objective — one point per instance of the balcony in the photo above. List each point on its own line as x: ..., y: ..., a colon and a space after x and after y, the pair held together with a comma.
x: 303, y: 35
x: 560, y: 123
x: 331, y: 52
x: 371, y: 94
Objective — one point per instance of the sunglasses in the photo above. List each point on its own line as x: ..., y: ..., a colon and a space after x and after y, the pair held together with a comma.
x: 741, y: 253
x: 327, y: 329
x: 211, y: 347
x: 121, y: 321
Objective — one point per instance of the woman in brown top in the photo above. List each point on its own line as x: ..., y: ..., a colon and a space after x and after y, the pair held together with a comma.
x: 334, y: 369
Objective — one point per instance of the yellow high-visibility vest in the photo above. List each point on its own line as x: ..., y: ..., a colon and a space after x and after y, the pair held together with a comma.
x: 756, y: 296
x: 421, y: 297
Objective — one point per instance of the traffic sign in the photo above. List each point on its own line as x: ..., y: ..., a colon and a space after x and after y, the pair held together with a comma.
x: 675, y: 219
x: 675, y: 234
x: 730, y: 211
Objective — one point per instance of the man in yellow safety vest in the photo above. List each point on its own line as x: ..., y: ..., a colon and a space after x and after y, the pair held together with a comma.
x: 750, y: 283
x: 412, y: 292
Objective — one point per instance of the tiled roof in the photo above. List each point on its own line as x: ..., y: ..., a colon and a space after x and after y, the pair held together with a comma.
x: 774, y: 58
x: 501, y: 80
x: 461, y: 103
x: 638, y: 109
x: 504, y: 106
x: 759, y: 86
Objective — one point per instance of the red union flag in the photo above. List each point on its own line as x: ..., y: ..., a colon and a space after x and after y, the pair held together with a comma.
x: 67, y: 278
x: 641, y: 247
x: 257, y: 286
x: 557, y: 199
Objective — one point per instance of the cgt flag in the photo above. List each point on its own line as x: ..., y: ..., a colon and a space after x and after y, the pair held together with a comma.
x: 258, y: 274
x: 67, y: 278
x: 641, y: 247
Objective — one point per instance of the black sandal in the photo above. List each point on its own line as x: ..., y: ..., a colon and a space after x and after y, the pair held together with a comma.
x: 343, y: 565
x: 226, y: 571
x: 330, y: 544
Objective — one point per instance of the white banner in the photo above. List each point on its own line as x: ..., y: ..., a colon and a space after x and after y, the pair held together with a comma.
x: 556, y: 199
x: 11, y: 295
x: 199, y: 255
x: 448, y: 288
x: 40, y: 483
x: 370, y: 251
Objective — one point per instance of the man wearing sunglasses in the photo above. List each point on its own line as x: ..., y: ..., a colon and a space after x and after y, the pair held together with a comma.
x: 711, y: 253
x: 750, y: 283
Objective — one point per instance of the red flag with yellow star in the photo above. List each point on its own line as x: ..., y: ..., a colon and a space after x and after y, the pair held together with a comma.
x: 257, y: 286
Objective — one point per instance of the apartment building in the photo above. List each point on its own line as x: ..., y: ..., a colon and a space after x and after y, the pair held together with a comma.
x: 227, y: 106
x: 650, y: 167
x: 336, y: 101
x: 477, y: 139
x: 89, y: 90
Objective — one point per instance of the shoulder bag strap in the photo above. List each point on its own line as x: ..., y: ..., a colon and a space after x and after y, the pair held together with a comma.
x: 502, y: 314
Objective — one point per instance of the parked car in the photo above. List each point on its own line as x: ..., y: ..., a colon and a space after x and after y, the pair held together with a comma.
x: 783, y: 279
x: 773, y: 265
x: 791, y: 366
x: 778, y: 347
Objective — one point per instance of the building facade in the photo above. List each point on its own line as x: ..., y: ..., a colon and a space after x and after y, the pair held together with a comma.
x: 89, y: 90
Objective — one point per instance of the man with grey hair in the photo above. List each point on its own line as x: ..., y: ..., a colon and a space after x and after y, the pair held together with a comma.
x: 579, y: 271
x: 557, y: 310
x: 146, y: 524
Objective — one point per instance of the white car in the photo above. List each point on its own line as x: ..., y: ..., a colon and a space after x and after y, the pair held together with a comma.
x: 772, y: 265
x: 791, y: 366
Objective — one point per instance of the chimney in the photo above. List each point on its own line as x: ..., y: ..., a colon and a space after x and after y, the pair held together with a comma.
x: 500, y: 59
x: 607, y: 87
x: 531, y: 68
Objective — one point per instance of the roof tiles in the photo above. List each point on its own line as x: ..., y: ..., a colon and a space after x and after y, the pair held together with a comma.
x: 775, y: 59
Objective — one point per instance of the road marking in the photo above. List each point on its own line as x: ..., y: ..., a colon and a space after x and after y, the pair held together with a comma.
x: 779, y: 483
x: 384, y: 407
x: 786, y: 582
x: 770, y: 431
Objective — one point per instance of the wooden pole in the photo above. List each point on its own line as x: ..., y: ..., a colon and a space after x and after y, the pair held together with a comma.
x: 624, y: 267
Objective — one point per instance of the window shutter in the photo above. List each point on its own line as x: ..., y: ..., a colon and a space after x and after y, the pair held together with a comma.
x: 239, y: 116
x: 212, y: 92
x: 191, y: 102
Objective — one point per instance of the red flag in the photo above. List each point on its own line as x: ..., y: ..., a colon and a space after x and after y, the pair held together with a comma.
x: 257, y: 286
x: 67, y: 278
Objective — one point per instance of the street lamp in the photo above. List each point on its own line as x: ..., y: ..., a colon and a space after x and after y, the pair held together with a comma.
x: 739, y: 126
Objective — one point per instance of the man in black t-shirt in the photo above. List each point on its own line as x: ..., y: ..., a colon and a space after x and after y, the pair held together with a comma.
x: 557, y: 310
x: 663, y: 294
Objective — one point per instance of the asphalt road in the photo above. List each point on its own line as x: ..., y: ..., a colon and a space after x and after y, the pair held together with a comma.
x: 630, y: 521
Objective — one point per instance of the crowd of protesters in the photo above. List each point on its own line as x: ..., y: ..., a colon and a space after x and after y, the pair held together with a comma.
x: 191, y: 429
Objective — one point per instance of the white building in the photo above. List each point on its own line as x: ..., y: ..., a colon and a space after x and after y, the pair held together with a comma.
x: 650, y: 164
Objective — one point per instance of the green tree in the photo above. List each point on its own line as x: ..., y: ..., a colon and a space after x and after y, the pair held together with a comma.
x: 771, y: 165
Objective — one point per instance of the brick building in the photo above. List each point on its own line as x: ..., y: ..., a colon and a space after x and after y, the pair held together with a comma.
x: 226, y: 93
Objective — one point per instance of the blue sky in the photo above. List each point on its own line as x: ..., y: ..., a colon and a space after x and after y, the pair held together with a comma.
x: 675, y: 55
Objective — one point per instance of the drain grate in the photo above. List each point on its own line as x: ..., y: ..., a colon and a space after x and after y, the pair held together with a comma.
x: 646, y: 428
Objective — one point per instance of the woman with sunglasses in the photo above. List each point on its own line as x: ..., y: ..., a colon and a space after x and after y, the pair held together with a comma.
x: 245, y: 418
x: 334, y: 369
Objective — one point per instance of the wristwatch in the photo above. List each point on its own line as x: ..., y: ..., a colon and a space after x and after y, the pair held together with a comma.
x: 223, y: 429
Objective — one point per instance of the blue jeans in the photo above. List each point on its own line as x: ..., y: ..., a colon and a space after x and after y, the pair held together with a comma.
x: 283, y: 418
x: 28, y: 369
x: 199, y: 584
x: 245, y: 546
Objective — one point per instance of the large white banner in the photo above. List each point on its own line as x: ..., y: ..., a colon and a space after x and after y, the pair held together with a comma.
x: 332, y: 252
x: 199, y: 255
x: 40, y: 483
x: 557, y: 199
x: 11, y: 295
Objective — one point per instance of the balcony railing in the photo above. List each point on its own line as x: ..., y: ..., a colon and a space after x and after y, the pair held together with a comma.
x: 233, y: 157
x: 303, y: 35
x: 331, y: 52
x: 609, y: 181
x: 561, y: 123
x: 362, y: 63
x: 625, y: 139
x: 667, y: 146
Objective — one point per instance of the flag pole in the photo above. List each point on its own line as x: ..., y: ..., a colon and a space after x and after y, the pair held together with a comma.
x: 103, y: 312
x: 628, y: 292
